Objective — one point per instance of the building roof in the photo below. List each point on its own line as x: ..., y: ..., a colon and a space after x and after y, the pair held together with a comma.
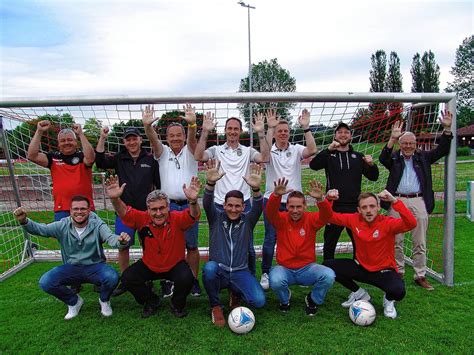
x: 466, y: 131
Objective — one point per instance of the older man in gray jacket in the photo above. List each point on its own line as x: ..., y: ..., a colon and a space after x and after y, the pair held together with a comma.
x: 230, y: 234
x: 80, y: 237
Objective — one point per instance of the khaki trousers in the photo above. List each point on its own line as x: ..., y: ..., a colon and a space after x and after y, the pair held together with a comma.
x: 417, y: 206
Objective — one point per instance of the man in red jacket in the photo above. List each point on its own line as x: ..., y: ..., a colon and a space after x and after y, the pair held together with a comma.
x: 295, y: 236
x: 374, y: 240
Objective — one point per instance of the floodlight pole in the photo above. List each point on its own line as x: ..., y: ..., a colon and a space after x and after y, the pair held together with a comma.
x: 248, y: 6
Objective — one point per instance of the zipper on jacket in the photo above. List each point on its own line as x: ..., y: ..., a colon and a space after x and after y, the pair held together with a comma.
x: 231, y: 247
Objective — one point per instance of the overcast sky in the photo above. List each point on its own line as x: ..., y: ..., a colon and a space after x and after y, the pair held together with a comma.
x: 99, y: 47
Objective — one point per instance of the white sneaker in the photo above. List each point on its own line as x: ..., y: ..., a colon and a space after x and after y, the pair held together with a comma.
x: 265, y: 281
x: 360, y: 294
x: 73, y: 311
x: 105, y: 308
x: 389, y: 308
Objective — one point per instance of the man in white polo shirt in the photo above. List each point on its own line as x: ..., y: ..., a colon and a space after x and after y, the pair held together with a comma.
x: 285, y: 162
x: 235, y: 160
x: 177, y: 167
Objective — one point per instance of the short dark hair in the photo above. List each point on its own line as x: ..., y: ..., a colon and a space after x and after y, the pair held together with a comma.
x: 296, y: 194
x: 79, y: 198
x: 234, y: 193
x: 283, y: 122
x: 175, y: 124
x: 233, y: 118
x: 365, y: 195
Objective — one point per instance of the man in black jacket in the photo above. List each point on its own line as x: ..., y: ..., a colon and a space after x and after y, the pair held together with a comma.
x: 139, y: 170
x: 410, y: 180
x: 344, y: 168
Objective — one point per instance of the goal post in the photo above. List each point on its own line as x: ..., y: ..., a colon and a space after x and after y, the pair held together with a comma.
x: 370, y: 116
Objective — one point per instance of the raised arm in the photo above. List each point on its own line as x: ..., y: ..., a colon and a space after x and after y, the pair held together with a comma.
x: 385, y: 157
x: 370, y: 169
x: 406, y: 222
x: 212, y: 176
x: 40, y: 229
x: 34, y: 153
x: 148, y: 117
x: 88, y: 150
x: 444, y: 143
x: 274, y: 215
x: 208, y: 124
x: 114, y: 191
x: 101, y: 160
x: 254, y: 180
x: 304, y: 121
x: 192, y: 194
x: 259, y: 128
x: 190, y: 117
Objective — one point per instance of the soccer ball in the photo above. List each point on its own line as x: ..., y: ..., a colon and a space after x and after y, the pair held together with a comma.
x: 241, y: 320
x: 362, y: 313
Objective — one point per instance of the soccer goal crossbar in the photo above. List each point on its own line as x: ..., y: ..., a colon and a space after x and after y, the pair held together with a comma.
x: 370, y: 116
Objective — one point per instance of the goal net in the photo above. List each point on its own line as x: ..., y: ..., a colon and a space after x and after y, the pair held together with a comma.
x: 370, y: 117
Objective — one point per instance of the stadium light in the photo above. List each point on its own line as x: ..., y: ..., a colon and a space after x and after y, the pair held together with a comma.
x: 248, y: 6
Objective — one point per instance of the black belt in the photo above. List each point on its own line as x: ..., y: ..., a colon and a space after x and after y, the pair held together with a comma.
x: 179, y: 202
x: 419, y: 194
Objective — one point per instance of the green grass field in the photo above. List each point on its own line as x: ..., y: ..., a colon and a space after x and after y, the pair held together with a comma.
x: 429, y: 322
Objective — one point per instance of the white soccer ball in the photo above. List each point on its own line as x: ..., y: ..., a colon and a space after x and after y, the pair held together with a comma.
x: 362, y: 313
x: 241, y: 320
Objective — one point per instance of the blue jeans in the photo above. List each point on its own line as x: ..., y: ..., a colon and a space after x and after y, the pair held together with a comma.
x: 270, y: 239
x: 318, y: 276
x: 252, y: 263
x: 242, y: 283
x: 59, y: 215
x: 120, y: 227
x: 55, y: 280
x: 192, y: 233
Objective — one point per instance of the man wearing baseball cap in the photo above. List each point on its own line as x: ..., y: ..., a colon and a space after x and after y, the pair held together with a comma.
x: 344, y: 168
x: 137, y: 168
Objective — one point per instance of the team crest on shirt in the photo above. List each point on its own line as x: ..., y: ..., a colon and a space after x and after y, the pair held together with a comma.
x: 288, y: 154
x: 239, y: 152
x: 375, y: 234
x: 302, y: 232
x: 75, y: 160
x: 353, y: 156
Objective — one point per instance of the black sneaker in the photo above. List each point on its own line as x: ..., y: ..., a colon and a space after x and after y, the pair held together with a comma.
x: 286, y: 307
x: 120, y: 290
x: 150, y: 308
x: 76, y: 288
x: 167, y: 288
x: 196, y: 290
x: 178, y: 313
x: 311, y: 307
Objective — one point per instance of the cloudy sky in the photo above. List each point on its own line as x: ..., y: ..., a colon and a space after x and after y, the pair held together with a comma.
x: 178, y: 47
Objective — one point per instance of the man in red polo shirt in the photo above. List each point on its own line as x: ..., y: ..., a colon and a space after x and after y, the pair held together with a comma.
x: 162, y: 238
x: 374, y: 240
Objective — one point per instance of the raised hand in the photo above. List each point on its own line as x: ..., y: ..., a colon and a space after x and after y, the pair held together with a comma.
x: 334, y: 146
x: 112, y: 187
x: 446, y: 119
x: 254, y: 179
x: 304, y: 119
x: 104, y: 132
x: 20, y: 214
x: 316, y: 190
x: 148, y: 115
x: 77, y: 128
x: 386, y: 196
x: 123, y: 238
x: 396, y: 130
x: 212, y: 171
x: 332, y: 195
x: 208, y: 122
x: 368, y: 159
x: 189, y: 114
x: 192, y: 191
x: 43, y: 126
x: 259, y: 123
x: 272, y: 120
x: 280, y: 187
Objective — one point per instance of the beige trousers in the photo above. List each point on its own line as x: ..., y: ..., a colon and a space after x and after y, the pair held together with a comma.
x: 417, y: 206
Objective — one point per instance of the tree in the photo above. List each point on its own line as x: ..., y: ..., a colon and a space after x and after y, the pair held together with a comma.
x: 394, y: 82
x: 92, y: 128
x: 378, y: 72
x: 268, y: 76
x: 425, y: 73
x: 416, y: 74
x: 463, y: 84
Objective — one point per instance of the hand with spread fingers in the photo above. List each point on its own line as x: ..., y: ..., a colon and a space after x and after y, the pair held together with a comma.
x: 272, y: 120
x: 208, y: 122
x: 396, y: 130
x: 192, y: 191
x: 254, y: 179
x: 259, y: 123
x: 446, y: 120
x: 189, y: 114
x: 280, y: 187
x: 112, y: 187
x: 148, y: 115
x: 304, y: 119
x: 212, y: 171
x: 316, y: 190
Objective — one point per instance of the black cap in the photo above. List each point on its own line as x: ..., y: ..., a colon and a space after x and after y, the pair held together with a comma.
x: 342, y: 125
x: 131, y: 131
